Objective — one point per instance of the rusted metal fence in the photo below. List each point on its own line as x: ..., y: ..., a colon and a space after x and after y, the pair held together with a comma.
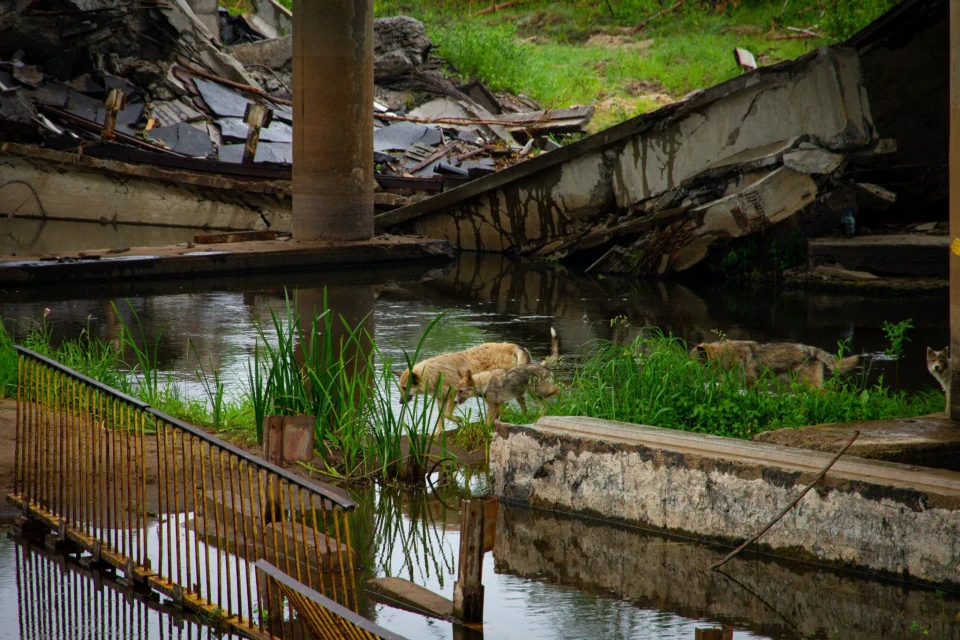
x: 322, y: 617
x: 168, y: 504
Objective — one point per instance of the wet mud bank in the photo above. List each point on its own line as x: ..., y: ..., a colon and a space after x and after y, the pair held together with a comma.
x: 882, y: 517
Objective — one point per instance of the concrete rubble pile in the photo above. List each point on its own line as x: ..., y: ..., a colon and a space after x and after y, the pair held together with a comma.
x: 806, y: 186
x: 186, y: 94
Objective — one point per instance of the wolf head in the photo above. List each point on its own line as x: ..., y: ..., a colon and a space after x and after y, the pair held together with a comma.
x: 938, y: 362
x: 409, y: 384
x: 466, y: 389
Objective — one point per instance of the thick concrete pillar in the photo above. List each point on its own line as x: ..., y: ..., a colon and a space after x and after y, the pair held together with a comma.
x: 954, y: 395
x: 333, y: 120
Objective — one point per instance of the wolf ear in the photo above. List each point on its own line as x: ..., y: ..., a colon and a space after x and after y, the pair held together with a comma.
x: 399, y: 374
x: 414, y: 378
x: 930, y: 352
x: 946, y: 351
x: 468, y: 378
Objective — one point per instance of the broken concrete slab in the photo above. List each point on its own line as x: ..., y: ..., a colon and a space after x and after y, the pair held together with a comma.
x: 844, y: 274
x: 273, y: 54
x: 928, y: 441
x: 812, y: 161
x: 917, y: 255
x: 657, y: 166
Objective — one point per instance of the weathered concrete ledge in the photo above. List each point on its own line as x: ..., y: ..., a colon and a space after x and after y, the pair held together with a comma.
x: 880, y: 516
x: 928, y: 441
x: 218, y: 259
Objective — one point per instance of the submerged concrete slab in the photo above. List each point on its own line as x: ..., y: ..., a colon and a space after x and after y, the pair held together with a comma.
x: 913, y: 255
x: 880, y: 516
x: 928, y: 441
x: 218, y: 259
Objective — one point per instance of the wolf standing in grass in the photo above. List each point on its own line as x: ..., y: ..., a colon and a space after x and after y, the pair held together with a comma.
x: 499, y: 386
x: 440, y: 374
x: 938, y: 364
x: 784, y: 360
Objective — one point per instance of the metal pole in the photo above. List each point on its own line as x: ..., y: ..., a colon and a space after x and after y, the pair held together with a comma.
x: 333, y: 120
x: 954, y: 398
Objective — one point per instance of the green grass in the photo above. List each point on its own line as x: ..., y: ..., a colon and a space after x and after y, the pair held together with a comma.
x: 653, y: 381
x: 539, y: 49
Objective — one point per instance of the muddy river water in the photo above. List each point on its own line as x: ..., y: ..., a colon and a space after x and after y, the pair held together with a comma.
x: 549, y: 575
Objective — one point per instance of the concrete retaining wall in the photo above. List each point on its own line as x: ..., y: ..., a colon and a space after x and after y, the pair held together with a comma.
x: 869, y: 514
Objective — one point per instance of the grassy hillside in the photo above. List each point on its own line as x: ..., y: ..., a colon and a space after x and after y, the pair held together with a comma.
x: 568, y: 52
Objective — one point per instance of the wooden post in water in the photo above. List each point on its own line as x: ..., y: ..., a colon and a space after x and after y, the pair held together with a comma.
x: 954, y: 172
x: 468, y: 589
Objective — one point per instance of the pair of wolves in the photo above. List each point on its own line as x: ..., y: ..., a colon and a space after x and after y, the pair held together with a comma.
x: 496, y: 371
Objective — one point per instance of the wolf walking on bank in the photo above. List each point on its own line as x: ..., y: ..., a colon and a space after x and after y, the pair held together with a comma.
x: 786, y: 360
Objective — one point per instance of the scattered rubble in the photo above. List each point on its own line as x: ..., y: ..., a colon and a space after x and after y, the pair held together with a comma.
x: 186, y: 94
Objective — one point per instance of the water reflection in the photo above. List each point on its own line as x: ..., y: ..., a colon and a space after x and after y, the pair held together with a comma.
x: 55, y: 598
x: 768, y: 597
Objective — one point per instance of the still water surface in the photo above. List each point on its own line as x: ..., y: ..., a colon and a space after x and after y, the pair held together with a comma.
x: 549, y: 576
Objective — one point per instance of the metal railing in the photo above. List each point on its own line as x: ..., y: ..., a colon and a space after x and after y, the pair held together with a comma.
x: 167, y: 503
x: 323, y: 617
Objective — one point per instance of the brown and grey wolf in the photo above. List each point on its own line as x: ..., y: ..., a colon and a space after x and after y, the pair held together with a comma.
x: 440, y: 374
x: 938, y: 364
x: 785, y: 360
x: 499, y: 386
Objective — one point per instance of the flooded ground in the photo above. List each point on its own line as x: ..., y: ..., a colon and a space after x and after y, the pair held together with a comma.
x: 549, y: 576
x: 485, y: 298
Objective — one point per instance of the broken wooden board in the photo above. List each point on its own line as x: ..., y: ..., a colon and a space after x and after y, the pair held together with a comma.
x: 411, y: 596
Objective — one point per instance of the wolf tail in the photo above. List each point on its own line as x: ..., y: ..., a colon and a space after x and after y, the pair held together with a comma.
x: 554, y: 349
x: 840, y: 365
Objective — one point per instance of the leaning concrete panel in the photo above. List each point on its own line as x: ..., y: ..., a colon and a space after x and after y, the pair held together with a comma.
x: 824, y: 101
x: 881, y: 516
x: 551, y: 202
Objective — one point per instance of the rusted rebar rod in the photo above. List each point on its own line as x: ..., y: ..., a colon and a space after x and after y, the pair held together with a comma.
x: 793, y: 503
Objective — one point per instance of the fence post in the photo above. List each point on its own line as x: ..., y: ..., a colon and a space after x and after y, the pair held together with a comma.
x: 468, y: 590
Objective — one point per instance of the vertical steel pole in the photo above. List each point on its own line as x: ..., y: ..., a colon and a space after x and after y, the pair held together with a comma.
x: 333, y: 120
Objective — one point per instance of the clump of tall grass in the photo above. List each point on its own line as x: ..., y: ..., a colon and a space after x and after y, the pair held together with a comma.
x: 653, y: 381
x: 347, y: 386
